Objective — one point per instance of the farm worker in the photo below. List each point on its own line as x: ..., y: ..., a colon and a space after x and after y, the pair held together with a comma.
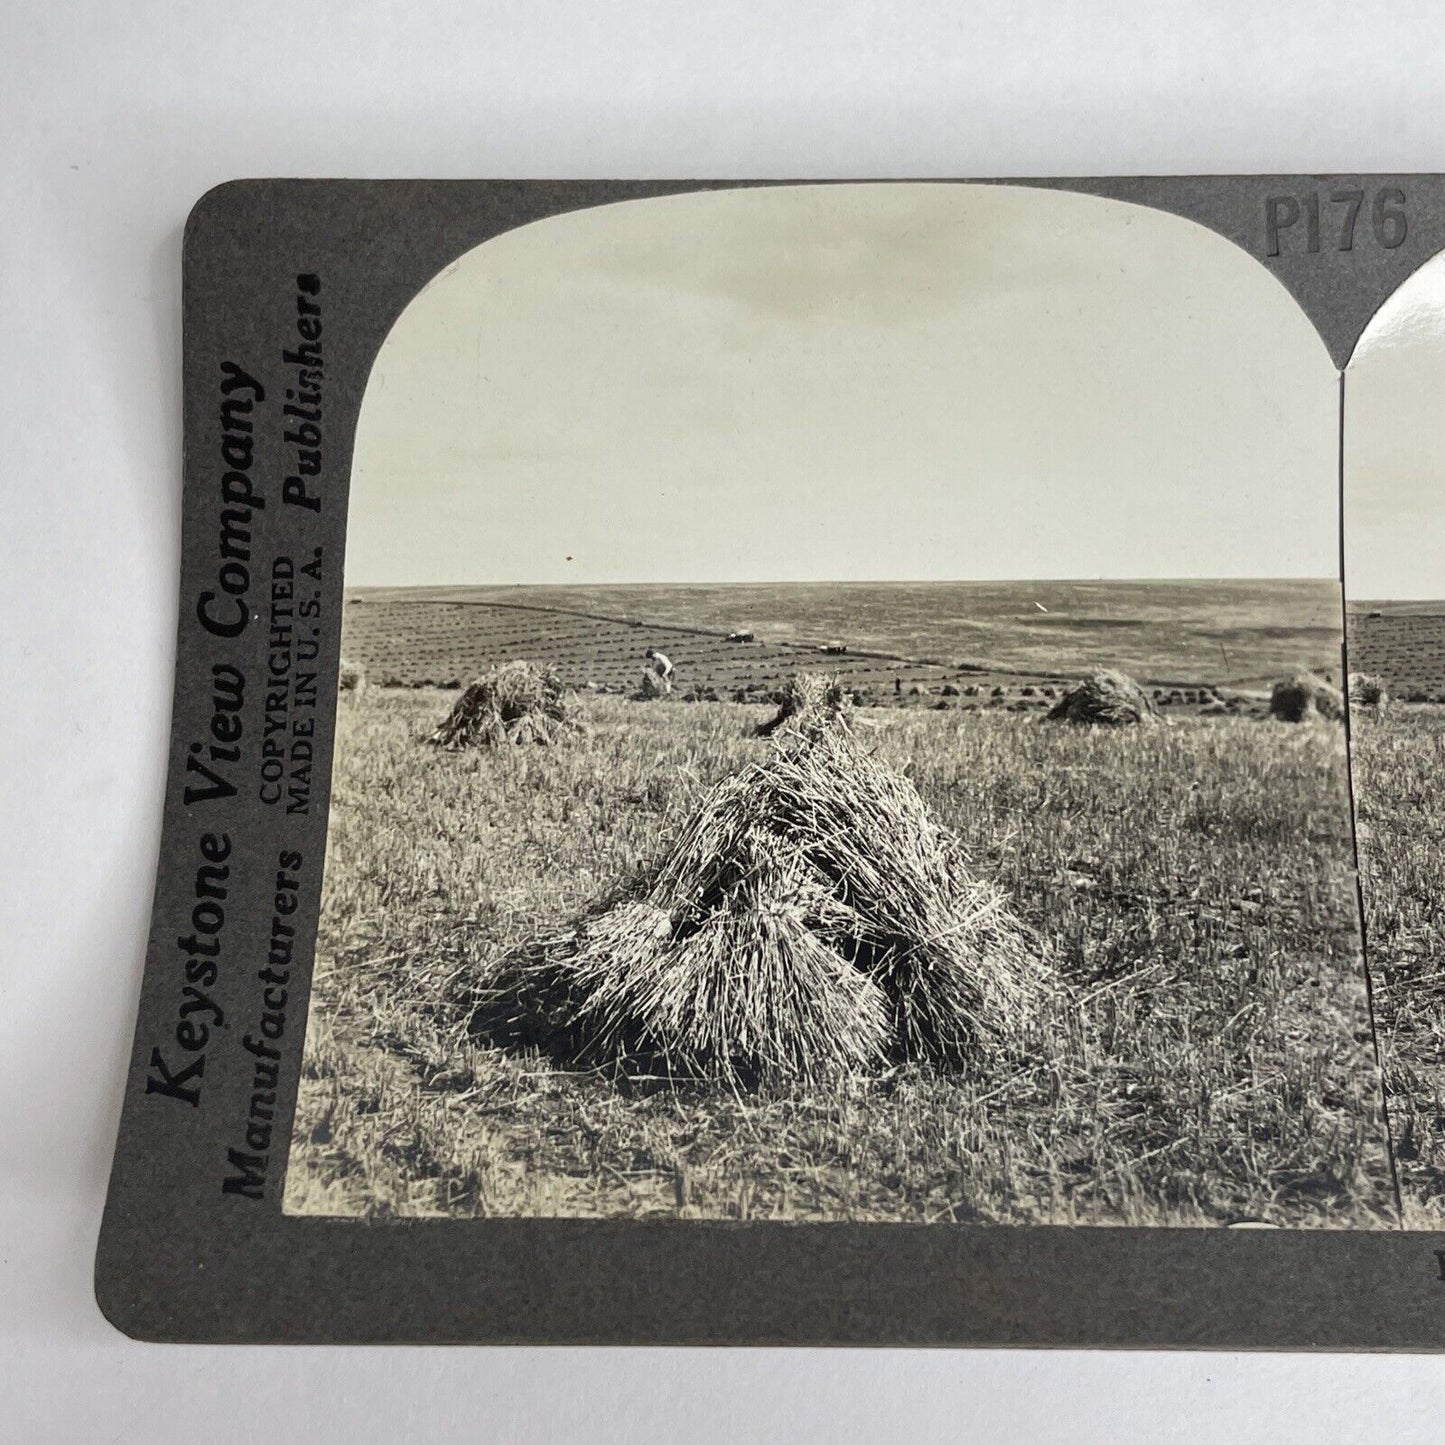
x: 659, y: 664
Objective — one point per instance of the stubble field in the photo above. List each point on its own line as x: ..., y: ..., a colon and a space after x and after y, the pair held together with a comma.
x: 1211, y: 1062
x: 905, y: 643
x: 1399, y: 765
x: 1403, y: 644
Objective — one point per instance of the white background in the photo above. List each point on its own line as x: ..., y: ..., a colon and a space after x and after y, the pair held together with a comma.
x: 113, y: 119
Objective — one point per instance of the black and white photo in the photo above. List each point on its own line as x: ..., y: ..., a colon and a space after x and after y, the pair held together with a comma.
x: 842, y: 720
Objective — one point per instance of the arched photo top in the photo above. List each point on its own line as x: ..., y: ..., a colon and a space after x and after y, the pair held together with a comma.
x: 1394, y: 460
x: 848, y: 382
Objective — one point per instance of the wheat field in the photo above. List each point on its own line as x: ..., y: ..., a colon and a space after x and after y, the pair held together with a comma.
x: 1210, y: 1064
x: 1399, y: 765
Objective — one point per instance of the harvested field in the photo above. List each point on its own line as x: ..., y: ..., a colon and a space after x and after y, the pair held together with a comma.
x: 1398, y: 760
x: 428, y: 641
x: 1212, y: 1063
x: 971, y: 645
x: 1402, y: 644
x: 1399, y: 777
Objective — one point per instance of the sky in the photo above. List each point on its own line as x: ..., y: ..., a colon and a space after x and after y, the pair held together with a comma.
x: 1395, y: 446
x: 863, y: 382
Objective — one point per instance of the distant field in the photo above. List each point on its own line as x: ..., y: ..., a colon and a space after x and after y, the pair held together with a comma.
x: 1402, y: 643
x: 1211, y: 1063
x: 899, y: 635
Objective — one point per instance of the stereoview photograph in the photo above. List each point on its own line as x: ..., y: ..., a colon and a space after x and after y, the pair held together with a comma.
x: 842, y: 718
x: 1395, y: 571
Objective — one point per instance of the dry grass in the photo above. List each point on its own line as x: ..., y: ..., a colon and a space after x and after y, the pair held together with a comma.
x: 1399, y: 765
x: 516, y: 703
x: 809, y: 919
x: 1303, y: 697
x: 809, y: 703
x: 1213, y: 1065
x: 1367, y: 690
x: 1106, y: 698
